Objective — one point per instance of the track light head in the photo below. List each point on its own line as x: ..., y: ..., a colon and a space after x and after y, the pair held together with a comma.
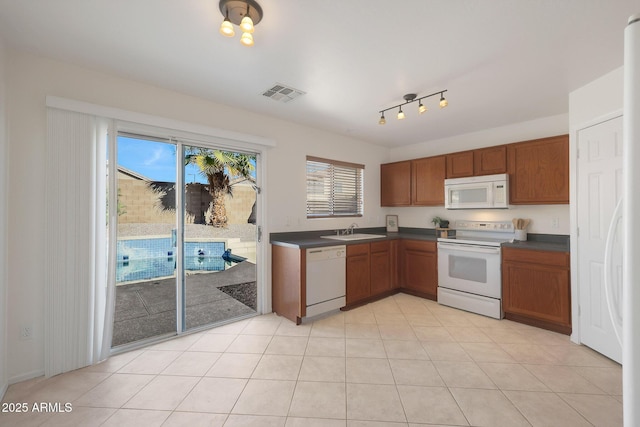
x: 401, y: 114
x: 443, y: 102
x: 422, y: 108
x: 382, y: 120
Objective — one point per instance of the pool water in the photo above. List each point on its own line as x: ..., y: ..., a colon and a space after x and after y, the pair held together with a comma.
x: 145, y: 259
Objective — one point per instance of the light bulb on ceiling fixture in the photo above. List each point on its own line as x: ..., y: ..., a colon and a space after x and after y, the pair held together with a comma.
x: 382, y: 120
x: 443, y: 102
x: 422, y: 108
x: 400, y: 114
x: 246, y: 39
x: 226, y: 28
x: 246, y: 24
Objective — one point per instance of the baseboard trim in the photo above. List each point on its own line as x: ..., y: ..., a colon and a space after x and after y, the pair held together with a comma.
x: 26, y: 376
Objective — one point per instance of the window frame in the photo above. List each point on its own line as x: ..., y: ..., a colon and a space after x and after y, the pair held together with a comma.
x: 332, y: 205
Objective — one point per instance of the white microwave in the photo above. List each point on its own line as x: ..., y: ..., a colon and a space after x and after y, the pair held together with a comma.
x: 477, y: 192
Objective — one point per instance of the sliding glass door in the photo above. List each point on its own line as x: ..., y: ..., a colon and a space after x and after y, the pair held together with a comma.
x: 146, y: 276
x: 186, y: 245
x: 219, y: 246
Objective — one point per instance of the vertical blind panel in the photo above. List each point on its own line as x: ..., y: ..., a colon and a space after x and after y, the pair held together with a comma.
x: 68, y: 241
x: 333, y: 189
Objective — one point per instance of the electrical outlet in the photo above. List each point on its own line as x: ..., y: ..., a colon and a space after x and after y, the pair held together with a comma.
x: 555, y: 222
x: 26, y: 332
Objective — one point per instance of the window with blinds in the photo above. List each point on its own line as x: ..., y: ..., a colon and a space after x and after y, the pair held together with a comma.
x: 334, y: 188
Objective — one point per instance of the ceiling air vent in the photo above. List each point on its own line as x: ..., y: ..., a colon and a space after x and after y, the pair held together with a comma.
x: 282, y: 93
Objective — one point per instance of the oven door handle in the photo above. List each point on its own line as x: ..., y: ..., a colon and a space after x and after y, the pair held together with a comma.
x: 468, y: 248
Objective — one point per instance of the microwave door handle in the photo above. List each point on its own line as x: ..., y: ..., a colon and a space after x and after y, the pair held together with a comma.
x: 468, y: 248
x: 490, y: 191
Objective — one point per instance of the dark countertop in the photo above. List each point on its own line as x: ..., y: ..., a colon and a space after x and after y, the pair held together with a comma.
x: 542, y: 242
x: 312, y: 239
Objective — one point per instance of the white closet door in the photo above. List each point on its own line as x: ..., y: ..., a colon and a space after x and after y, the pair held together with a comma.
x: 599, y: 190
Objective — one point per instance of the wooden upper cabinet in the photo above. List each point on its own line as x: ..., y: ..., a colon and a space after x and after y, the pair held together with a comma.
x: 483, y: 161
x: 490, y: 161
x: 539, y: 171
x: 427, y: 179
x: 460, y: 164
x: 395, y: 184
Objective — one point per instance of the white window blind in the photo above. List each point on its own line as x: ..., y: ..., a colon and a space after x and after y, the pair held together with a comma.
x: 75, y: 289
x: 334, y: 188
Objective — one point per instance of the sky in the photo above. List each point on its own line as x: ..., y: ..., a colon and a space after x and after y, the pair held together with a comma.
x: 155, y: 160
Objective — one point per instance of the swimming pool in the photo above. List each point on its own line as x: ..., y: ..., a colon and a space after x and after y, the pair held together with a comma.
x: 150, y: 258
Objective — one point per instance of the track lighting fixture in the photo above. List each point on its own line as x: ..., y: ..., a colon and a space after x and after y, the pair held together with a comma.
x: 244, y: 13
x: 412, y: 97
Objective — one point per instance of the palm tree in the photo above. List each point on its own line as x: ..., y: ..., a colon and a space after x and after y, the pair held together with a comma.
x: 219, y: 167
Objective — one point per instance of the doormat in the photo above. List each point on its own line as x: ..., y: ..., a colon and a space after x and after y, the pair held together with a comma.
x: 246, y: 293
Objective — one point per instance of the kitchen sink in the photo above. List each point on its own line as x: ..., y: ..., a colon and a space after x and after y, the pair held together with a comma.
x: 355, y: 236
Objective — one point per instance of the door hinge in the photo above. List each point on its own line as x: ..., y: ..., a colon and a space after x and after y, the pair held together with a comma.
x: 259, y: 230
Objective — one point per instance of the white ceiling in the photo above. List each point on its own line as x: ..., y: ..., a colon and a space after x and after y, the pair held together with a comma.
x: 502, y: 61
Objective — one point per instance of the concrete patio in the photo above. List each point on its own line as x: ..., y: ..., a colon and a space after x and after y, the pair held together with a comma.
x: 148, y: 309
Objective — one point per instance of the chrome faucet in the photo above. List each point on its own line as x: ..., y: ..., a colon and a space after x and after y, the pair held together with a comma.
x: 349, y: 230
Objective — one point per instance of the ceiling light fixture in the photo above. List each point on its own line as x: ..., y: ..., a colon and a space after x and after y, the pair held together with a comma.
x: 244, y: 13
x: 412, y: 97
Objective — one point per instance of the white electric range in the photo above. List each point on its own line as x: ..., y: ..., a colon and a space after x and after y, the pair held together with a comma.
x: 469, y: 266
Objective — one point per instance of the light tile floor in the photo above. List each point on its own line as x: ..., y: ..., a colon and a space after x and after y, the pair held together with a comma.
x: 401, y: 361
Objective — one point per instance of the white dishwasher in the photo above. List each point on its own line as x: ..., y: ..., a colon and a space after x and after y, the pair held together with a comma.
x: 326, y: 279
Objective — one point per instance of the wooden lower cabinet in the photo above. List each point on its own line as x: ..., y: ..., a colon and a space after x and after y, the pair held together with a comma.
x: 358, y: 274
x: 288, y: 282
x: 536, y: 288
x: 381, y: 268
x: 370, y: 271
x: 419, y: 267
